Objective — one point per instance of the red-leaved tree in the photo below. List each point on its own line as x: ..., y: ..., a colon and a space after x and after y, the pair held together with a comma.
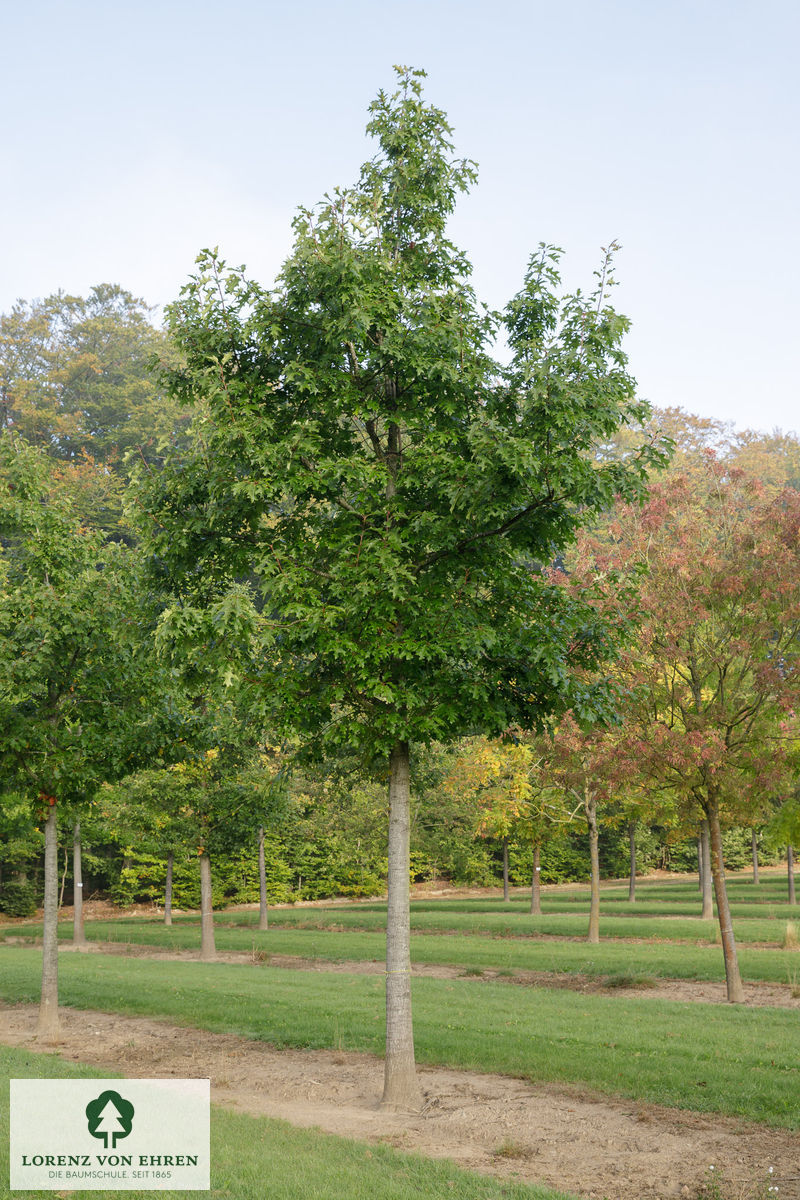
x: 715, y: 672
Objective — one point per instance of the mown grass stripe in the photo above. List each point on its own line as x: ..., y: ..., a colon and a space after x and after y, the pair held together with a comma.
x: 659, y: 959
x: 715, y: 1058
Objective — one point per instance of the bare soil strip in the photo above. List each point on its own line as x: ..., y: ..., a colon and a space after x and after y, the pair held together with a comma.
x: 756, y: 994
x: 593, y: 1146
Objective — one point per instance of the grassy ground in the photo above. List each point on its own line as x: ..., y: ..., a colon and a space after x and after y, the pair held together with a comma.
x: 493, y: 924
x: 255, y: 1157
x: 714, y: 1058
x: 659, y: 959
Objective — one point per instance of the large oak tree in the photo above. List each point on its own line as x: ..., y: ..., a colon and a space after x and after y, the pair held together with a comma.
x: 392, y: 493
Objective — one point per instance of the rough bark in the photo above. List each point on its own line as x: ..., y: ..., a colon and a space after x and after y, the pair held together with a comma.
x: 705, y: 844
x: 168, y: 889
x: 401, y: 1089
x: 536, y: 888
x: 632, y: 872
x: 505, y: 868
x: 754, y: 849
x: 48, y: 1025
x: 590, y: 808
x: 207, y: 948
x: 790, y: 874
x: 263, y: 913
x: 732, y: 977
x: 78, y: 933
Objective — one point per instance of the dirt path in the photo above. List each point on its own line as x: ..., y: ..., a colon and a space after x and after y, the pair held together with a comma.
x: 756, y: 994
x: 593, y: 1146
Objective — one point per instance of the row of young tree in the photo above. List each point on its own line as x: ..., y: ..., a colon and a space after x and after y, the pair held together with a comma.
x: 476, y: 822
x: 364, y: 535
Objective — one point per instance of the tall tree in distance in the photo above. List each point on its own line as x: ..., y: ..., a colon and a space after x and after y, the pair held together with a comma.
x: 76, y: 375
x: 77, y: 380
x: 396, y: 494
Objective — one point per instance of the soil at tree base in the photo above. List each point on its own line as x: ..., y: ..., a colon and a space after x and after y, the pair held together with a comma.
x: 591, y: 1145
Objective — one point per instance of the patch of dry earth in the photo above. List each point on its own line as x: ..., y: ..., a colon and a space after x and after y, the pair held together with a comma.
x: 590, y: 1145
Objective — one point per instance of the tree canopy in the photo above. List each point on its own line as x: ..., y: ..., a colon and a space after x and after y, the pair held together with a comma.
x: 76, y: 375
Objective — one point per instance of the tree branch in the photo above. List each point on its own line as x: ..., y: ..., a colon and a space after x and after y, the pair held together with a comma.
x: 485, y: 533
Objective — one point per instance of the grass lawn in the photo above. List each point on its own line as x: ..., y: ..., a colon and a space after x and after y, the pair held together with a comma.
x: 253, y: 1158
x: 326, y: 940
x: 715, y: 1058
x: 509, y: 923
x: 491, y: 924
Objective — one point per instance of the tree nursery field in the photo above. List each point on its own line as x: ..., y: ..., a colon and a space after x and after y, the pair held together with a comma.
x: 331, y: 606
x: 633, y: 1033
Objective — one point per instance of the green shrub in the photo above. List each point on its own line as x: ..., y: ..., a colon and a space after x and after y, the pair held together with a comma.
x: 18, y: 899
x: 144, y: 878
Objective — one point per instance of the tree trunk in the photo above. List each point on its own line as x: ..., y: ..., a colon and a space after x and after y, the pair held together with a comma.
x: 78, y: 934
x: 732, y: 977
x: 401, y: 1089
x: 63, y: 877
x: 168, y: 889
x: 705, y: 843
x: 754, y: 849
x: 505, y: 868
x: 590, y: 808
x: 263, y: 915
x: 207, y: 948
x: 790, y: 873
x: 700, y: 863
x: 536, y: 889
x: 48, y: 1025
x: 632, y: 846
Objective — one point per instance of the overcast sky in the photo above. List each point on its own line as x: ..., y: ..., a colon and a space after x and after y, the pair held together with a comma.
x: 134, y: 134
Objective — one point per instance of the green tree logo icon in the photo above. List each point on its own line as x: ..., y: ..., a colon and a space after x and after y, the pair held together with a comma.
x: 110, y: 1117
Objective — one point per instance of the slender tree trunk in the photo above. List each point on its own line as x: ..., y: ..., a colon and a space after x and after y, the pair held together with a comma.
x: 401, y: 1089
x: 48, y: 1025
x: 705, y: 842
x: 207, y: 948
x: 263, y: 915
x: 78, y: 934
x: 732, y: 976
x: 700, y: 863
x: 536, y: 883
x: 754, y: 849
x: 63, y: 877
x: 590, y: 808
x: 632, y: 847
x: 505, y: 868
x: 790, y: 873
x: 168, y: 889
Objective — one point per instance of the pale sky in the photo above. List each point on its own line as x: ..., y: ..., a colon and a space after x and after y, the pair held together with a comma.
x: 134, y: 134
